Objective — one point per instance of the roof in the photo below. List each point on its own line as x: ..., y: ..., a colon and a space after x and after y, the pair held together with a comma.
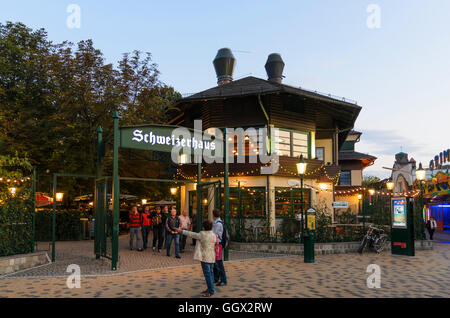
x: 252, y: 85
x: 353, y: 155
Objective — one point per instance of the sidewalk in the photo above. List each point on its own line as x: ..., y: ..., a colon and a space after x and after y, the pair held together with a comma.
x: 425, y: 275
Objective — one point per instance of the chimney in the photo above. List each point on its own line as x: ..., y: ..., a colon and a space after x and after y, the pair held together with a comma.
x: 224, y: 64
x: 274, y: 68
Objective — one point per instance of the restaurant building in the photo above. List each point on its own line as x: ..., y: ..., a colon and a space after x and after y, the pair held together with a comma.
x: 314, y: 125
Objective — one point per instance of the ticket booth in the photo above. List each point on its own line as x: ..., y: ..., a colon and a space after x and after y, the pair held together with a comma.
x: 402, y: 233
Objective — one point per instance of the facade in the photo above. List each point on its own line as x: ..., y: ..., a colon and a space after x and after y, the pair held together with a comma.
x: 352, y: 164
x: 310, y: 124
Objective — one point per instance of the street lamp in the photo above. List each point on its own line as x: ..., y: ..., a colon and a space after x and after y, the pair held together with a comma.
x: 421, y: 175
x: 59, y: 196
x: 144, y: 201
x: 301, y: 168
x: 173, y: 190
x: 308, y: 239
x: 390, y: 187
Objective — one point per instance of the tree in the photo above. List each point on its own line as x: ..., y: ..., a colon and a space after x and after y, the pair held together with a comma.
x: 54, y: 96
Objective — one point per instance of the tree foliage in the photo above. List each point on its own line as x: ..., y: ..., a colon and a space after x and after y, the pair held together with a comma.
x: 54, y: 96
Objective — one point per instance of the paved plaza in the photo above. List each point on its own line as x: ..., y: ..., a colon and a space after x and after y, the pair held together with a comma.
x: 339, y: 275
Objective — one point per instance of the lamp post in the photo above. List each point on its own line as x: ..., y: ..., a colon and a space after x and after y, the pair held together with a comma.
x: 420, y: 175
x: 301, y: 168
x: 390, y: 187
x: 360, y: 196
x: 308, y: 238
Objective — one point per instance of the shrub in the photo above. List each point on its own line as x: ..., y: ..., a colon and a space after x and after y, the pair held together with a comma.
x: 68, y: 225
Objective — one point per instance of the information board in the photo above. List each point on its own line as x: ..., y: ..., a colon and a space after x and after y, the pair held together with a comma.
x: 399, y: 218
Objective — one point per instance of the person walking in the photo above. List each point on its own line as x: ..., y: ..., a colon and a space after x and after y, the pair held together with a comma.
x: 146, y: 222
x: 158, y: 223
x: 173, y: 230
x: 431, y: 227
x: 220, y: 277
x: 135, y: 228
x: 185, y: 223
x: 205, y: 253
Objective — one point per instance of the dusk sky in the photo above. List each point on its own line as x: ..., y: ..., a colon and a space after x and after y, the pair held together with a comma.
x: 398, y: 72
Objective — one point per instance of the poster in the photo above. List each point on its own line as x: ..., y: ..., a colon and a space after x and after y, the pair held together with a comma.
x: 399, y: 213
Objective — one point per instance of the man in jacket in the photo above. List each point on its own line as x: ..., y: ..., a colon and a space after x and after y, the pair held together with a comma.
x: 158, y: 223
x: 135, y: 228
x: 431, y: 227
x: 146, y: 222
x: 185, y: 225
x: 173, y: 230
x: 220, y: 276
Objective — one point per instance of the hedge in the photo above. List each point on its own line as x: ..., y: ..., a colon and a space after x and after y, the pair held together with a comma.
x: 68, y: 225
x: 16, y: 221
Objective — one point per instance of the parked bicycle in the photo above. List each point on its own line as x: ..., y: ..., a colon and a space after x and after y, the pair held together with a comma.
x: 374, y: 238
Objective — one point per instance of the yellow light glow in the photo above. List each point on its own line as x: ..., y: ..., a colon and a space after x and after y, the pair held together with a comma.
x: 301, y: 166
x: 205, y: 201
x: 12, y: 191
x: 173, y: 191
x: 59, y: 196
x: 144, y: 201
x: 371, y: 191
x: 390, y: 185
x: 183, y: 159
x: 91, y: 203
x: 359, y: 196
x: 323, y: 186
x: 421, y: 173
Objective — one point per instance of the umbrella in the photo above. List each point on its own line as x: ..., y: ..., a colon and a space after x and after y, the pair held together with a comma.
x: 43, y: 200
x: 163, y: 202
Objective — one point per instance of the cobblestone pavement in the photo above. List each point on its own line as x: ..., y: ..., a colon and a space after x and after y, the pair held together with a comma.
x: 425, y: 275
x: 81, y: 253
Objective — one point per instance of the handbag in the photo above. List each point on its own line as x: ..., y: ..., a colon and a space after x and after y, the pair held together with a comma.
x: 218, y: 249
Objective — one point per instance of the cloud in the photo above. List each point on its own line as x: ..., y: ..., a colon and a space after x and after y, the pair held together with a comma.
x: 384, y: 144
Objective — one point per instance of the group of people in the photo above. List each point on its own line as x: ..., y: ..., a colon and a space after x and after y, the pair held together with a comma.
x: 168, y: 227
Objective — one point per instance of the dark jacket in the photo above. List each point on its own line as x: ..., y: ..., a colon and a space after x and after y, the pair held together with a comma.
x: 172, y: 224
x: 158, y: 220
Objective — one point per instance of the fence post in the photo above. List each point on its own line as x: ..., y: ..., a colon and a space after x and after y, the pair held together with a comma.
x: 34, y: 211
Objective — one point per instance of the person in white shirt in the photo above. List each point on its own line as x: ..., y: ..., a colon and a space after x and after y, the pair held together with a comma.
x: 431, y: 227
x: 185, y: 224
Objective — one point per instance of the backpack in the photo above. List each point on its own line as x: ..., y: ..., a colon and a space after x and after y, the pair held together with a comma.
x: 225, y: 239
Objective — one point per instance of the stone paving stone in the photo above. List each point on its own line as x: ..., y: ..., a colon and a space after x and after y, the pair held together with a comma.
x: 334, y: 275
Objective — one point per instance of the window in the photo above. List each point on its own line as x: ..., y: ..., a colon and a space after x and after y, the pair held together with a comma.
x: 246, y: 202
x: 346, y: 178
x: 288, y: 201
x: 320, y: 153
x: 292, y: 143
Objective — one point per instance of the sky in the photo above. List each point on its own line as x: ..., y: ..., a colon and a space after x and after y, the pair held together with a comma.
x: 392, y: 57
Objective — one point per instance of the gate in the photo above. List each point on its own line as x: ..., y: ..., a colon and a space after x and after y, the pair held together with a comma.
x: 103, y: 220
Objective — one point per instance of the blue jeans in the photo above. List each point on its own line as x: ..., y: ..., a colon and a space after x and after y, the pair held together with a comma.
x: 219, y: 272
x: 209, y: 276
x: 145, y: 232
x: 171, y: 237
x: 183, y: 241
x: 135, y: 231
